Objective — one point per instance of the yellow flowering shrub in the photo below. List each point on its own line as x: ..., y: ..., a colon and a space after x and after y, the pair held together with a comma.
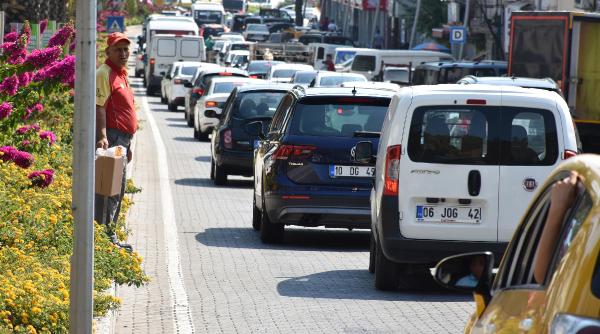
x: 36, y: 222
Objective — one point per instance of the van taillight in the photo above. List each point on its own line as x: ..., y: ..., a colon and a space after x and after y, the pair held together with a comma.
x: 227, y: 140
x: 568, y: 154
x: 152, y: 61
x: 477, y: 101
x: 284, y: 152
x: 392, y: 170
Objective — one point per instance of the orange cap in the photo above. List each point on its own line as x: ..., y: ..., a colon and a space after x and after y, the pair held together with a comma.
x: 115, y: 38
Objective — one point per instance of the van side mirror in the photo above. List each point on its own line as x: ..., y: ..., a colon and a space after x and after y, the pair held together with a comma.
x: 211, y: 113
x: 187, y: 84
x: 363, y: 152
x: 255, y: 129
x: 469, y: 272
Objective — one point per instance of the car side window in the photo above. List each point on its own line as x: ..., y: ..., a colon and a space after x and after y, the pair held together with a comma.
x: 279, y: 116
x: 227, y: 106
x: 531, y: 137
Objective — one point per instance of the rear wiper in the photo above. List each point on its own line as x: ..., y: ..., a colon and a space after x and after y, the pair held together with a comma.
x: 367, y: 134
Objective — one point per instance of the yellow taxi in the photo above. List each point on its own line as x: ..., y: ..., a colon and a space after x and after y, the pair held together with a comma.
x: 549, y: 278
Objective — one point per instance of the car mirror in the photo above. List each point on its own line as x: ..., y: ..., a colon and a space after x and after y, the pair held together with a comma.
x: 187, y: 84
x: 210, y: 113
x: 363, y: 152
x: 469, y: 272
x: 255, y: 129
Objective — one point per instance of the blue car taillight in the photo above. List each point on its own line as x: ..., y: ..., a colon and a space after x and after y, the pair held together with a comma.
x: 285, y: 152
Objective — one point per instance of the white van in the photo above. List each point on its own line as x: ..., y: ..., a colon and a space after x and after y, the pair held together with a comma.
x: 208, y: 13
x: 456, y: 168
x: 177, y: 25
x: 167, y: 49
x: 369, y: 62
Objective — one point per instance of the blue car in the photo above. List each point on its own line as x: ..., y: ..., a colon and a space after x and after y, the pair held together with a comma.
x: 304, y: 167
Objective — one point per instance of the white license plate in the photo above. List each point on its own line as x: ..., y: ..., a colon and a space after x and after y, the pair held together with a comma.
x: 351, y: 171
x: 449, y: 214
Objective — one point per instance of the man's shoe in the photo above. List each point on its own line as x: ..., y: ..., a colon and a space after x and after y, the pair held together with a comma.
x: 125, y: 246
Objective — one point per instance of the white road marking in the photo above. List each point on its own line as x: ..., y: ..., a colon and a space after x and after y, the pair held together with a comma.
x: 182, y: 316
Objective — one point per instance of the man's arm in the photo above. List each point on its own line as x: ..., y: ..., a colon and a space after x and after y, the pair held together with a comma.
x: 101, y: 138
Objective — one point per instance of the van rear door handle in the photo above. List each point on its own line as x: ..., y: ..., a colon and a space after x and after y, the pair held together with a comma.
x: 474, y: 182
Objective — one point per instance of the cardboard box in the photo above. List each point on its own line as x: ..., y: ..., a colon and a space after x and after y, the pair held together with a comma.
x: 109, y: 175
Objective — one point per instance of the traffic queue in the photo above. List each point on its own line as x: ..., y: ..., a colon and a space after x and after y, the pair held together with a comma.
x: 467, y: 163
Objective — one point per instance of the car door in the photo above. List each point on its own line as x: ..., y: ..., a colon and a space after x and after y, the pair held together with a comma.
x: 449, y: 172
x: 520, y: 303
x: 530, y: 151
x: 268, y: 145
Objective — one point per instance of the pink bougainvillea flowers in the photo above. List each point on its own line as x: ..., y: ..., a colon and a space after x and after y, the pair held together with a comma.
x: 10, y: 85
x: 20, y: 158
x: 41, y: 178
x: 43, y: 25
x: 49, y: 136
x: 44, y: 57
x: 26, y: 128
x: 62, y: 36
x: 5, y: 110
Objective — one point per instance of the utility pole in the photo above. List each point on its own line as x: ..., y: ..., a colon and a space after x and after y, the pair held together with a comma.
x: 466, y: 25
x: 414, y: 27
x: 82, y: 261
x: 377, y: 5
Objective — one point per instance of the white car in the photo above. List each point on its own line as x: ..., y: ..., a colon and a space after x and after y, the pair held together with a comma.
x: 217, y: 93
x: 256, y: 32
x: 172, y: 86
x: 236, y: 57
x: 333, y: 79
x: 547, y: 83
x: 373, y: 84
x: 456, y: 167
x: 232, y: 36
x: 285, y: 72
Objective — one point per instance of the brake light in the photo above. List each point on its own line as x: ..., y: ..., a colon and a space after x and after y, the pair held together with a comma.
x: 227, y: 140
x: 253, y: 77
x: 225, y: 74
x: 284, y: 152
x: 476, y: 101
x: 392, y: 170
x: 152, y: 61
x: 210, y: 104
x: 568, y: 154
x: 178, y: 81
x: 198, y: 91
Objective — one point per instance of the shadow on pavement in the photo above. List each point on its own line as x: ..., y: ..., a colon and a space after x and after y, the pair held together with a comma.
x: 177, y: 125
x: 207, y: 183
x: 172, y: 119
x: 203, y: 158
x: 358, y: 284
x: 300, y: 239
x: 187, y: 139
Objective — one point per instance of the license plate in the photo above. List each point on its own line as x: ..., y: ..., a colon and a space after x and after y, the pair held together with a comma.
x: 351, y: 171
x: 449, y: 214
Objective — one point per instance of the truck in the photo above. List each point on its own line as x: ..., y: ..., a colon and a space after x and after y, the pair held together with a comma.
x: 563, y: 46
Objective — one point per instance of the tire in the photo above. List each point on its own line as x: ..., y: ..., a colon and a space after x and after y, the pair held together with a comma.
x: 189, y: 119
x: 196, y: 134
x: 149, y: 91
x: 202, y: 136
x: 138, y: 74
x: 387, y: 273
x: 372, y: 254
x: 172, y: 106
x: 220, y: 176
x: 270, y: 233
x: 163, y: 100
x: 256, y: 219
x: 212, y: 169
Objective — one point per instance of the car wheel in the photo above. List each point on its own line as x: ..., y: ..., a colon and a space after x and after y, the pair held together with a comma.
x: 190, y: 120
x: 255, y: 215
x: 220, y: 176
x: 372, y: 255
x: 172, y: 106
x: 212, y: 169
x: 270, y: 233
x: 138, y: 74
x: 196, y: 134
x: 149, y: 91
x: 163, y: 100
x: 386, y: 271
x: 202, y: 136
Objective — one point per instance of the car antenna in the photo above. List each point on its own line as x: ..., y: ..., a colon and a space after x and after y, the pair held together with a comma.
x: 354, y: 90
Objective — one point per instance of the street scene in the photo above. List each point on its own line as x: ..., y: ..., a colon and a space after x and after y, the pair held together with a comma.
x: 300, y: 167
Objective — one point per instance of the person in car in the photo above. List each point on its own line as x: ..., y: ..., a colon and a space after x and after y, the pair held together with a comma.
x: 313, y: 123
x: 247, y: 107
x: 476, y: 266
x: 519, y: 147
x: 329, y: 63
x: 562, y: 197
x: 436, y: 139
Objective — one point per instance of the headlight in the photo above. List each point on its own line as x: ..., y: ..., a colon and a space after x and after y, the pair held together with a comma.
x: 571, y: 324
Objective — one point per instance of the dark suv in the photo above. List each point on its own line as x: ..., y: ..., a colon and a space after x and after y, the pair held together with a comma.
x: 304, y: 168
x: 232, y: 146
x: 199, y: 84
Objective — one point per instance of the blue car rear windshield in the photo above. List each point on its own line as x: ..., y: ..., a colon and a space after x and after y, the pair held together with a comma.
x: 338, y: 116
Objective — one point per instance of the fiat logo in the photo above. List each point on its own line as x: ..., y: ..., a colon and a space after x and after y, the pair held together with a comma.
x: 529, y: 184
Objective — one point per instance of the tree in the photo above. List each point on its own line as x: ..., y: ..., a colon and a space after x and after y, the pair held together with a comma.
x: 433, y: 14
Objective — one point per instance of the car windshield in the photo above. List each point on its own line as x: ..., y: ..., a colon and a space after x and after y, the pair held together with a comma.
x: 399, y: 75
x: 260, y: 67
x: 240, y: 47
x: 339, y: 116
x: 304, y: 77
x: 188, y: 70
x: 257, y: 27
x: 226, y: 87
x: 330, y: 81
x: 256, y: 104
x: 344, y: 56
x: 287, y: 73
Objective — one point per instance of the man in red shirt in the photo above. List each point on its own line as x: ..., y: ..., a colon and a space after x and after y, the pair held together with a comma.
x: 116, y: 120
x: 329, y: 63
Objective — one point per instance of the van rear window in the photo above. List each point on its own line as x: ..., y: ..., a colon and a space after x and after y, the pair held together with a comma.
x: 338, y: 117
x: 483, y: 136
x: 190, y: 49
x: 166, y: 48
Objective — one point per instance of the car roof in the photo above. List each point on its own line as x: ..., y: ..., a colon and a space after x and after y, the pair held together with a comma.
x: 189, y: 63
x: 290, y: 66
x: 211, y: 70
x: 239, y: 52
x: 373, y: 84
x: 265, y: 86
x: 321, y: 74
x: 232, y: 79
x: 546, y: 83
x: 464, y: 64
x: 468, y: 90
x: 341, y: 91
